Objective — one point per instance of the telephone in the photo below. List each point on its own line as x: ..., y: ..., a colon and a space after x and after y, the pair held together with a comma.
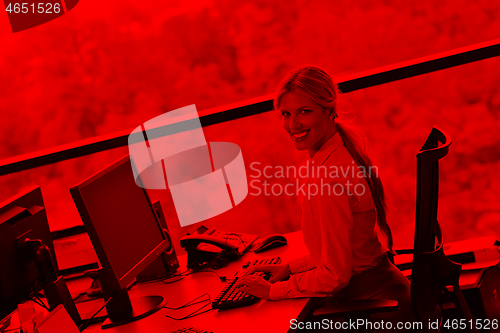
x: 221, y: 243
x: 206, y: 245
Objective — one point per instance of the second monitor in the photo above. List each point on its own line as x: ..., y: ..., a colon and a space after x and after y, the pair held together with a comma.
x: 126, y: 235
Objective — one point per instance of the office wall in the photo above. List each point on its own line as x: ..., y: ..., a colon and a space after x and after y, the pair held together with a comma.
x: 109, y: 66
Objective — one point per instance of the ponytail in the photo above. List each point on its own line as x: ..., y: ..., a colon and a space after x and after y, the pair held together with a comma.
x: 350, y: 135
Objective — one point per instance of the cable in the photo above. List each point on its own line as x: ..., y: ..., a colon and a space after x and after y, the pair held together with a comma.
x: 89, y: 321
x: 35, y: 297
x: 242, y: 241
x: 181, y: 273
x: 192, y: 271
x: 87, y: 324
x: 40, y: 303
x: 181, y: 276
x: 221, y: 277
x: 192, y: 302
x: 194, y: 313
x: 206, y: 270
x: 43, y: 304
x: 170, y: 282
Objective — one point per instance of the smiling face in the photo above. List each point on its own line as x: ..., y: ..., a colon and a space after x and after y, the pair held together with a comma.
x: 307, y: 123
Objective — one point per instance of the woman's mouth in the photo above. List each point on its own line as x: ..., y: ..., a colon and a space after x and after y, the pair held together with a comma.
x: 299, y: 136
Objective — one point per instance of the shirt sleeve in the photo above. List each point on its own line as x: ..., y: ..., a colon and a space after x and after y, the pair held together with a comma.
x: 333, y: 265
x: 300, y: 265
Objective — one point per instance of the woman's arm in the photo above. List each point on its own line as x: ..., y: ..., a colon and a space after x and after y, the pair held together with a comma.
x: 301, y: 265
x: 333, y: 262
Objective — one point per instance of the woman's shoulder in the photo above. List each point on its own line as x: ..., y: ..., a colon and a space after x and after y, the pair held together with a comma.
x: 342, y: 172
x: 341, y: 165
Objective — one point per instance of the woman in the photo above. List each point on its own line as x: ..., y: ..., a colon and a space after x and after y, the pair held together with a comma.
x: 346, y: 258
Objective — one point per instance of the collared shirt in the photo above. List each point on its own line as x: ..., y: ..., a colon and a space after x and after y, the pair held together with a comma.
x: 338, y: 225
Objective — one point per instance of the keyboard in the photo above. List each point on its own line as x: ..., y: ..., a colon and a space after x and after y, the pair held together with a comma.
x: 258, y: 262
x: 232, y: 297
x: 190, y: 330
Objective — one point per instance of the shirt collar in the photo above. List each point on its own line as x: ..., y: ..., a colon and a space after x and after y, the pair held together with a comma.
x: 327, y: 149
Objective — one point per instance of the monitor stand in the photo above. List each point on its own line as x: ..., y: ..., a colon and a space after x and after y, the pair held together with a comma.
x: 54, y: 286
x: 122, y: 310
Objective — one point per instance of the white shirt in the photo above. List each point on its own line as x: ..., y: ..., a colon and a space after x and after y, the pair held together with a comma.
x: 338, y: 227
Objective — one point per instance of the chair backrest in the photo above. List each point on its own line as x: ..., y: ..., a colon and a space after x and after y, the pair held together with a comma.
x: 431, y: 269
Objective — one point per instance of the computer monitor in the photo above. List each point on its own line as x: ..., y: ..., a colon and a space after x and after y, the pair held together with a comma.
x: 22, y: 216
x: 126, y: 236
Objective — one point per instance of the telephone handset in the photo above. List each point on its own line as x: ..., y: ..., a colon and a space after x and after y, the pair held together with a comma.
x: 195, y: 240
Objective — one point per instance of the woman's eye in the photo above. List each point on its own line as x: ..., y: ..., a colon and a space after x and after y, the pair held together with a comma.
x: 305, y: 111
x: 285, y: 114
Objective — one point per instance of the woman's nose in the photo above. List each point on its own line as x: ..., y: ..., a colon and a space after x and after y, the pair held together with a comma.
x: 295, y: 122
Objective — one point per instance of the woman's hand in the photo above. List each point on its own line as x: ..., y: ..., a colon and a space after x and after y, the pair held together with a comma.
x: 259, y: 287
x: 278, y: 272
x: 255, y: 285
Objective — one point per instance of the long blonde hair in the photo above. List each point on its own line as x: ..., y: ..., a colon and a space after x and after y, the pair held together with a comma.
x: 316, y: 84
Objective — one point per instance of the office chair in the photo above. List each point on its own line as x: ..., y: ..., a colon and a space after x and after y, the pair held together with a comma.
x: 432, y: 271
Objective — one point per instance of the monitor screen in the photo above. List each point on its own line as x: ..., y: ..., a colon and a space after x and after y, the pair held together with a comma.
x: 120, y: 220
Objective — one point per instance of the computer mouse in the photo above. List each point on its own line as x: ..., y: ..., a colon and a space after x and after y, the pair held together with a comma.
x: 270, y: 242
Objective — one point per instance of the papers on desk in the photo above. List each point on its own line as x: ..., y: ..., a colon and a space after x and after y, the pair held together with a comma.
x: 58, y: 321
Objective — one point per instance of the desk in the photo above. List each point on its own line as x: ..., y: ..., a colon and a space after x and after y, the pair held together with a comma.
x: 264, y: 316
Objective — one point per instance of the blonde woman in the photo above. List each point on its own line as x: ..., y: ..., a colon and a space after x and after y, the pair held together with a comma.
x: 346, y: 257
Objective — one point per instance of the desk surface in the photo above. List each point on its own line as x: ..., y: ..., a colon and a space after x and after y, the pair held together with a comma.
x: 264, y: 316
